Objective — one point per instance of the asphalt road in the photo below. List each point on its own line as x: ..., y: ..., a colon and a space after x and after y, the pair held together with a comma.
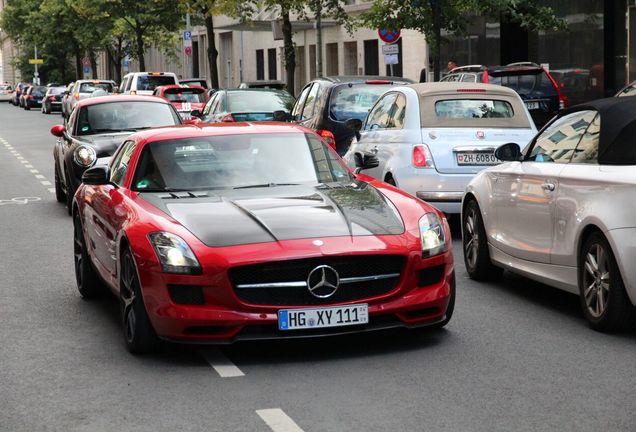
x: 517, y: 355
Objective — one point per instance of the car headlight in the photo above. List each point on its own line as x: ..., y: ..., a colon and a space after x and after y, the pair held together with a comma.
x: 432, y: 235
x: 174, y: 253
x: 84, y: 156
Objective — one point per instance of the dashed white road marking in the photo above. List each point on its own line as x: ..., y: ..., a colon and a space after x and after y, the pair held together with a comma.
x: 20, y: 157
x: 28, y: 166
x: 24, y: 161
x: 221, y: 364
x: 278, y: 421
x: 46, y: 183
x: 39, y: 176
x: 34, y: 171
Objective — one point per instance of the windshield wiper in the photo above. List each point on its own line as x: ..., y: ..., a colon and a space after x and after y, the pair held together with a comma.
x: 265, y: 185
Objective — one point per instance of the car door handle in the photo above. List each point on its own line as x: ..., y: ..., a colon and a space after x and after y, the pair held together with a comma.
x: 548, y: 187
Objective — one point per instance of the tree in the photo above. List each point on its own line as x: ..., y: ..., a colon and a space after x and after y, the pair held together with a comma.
x: 206, y: 9
x: 430, y: 17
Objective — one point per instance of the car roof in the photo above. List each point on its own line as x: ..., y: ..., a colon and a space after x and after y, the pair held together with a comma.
x: 253, y: 89
x: 120, y: 98
x: 94, y: 80
x: 362, y: 79
x: 217, y: 129
x: 453, y: 87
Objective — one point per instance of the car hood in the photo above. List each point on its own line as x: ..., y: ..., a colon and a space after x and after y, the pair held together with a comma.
x: 104, y: 144
x: 281, y: 213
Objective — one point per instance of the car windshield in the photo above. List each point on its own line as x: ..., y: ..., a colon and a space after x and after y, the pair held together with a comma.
x: 124, y: 116
x: 150, y: 82
x: 630, y: 90
x: 528, y: 83
x: 5, y: 87
x: 56, y: 90
x: 185, y: 95
x: 90, y: 87
x: 259, y: 101
x: 355, y: 101
x: 473, y: 108
x: 38, y: 91
x: 237, y: 161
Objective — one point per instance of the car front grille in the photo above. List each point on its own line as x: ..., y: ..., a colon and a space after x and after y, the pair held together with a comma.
x: 285, y: 282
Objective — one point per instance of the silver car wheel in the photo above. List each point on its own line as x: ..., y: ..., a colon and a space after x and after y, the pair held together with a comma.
x: 596, y: 280
x: 471, y: 245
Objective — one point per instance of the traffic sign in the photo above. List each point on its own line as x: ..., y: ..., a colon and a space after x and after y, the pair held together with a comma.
x: 389, y: 36
x: 390, y: 49
x: 86, y: 61
x: 187, y: 35
x: 391, y: 59
x: 36, y: 61
x: 188, y: 50
x: 87, y: 69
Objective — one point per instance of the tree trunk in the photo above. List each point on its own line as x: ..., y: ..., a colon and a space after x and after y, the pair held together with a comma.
x: 115, y: 58
x: 78, y: 62
x: 139, y: 36
x: 213, y: 54
x: 93, y: 60
x: 290, y: 54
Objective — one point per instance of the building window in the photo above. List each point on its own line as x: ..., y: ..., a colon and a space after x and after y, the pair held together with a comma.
x: 332, y: 59
x: 271, y: 64
x: 260, y: 65
x: 350, y: 58
x: 371, y: 59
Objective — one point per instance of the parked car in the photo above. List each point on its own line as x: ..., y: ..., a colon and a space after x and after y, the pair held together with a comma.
x: 95, y: 129
x: 184, y: 98
x: 53, y: 100
x: 534, y: 84
x: 575, y: 84
x: 326, y: 103
x: 431, y: 139
x: 15, y: 97
x: 628, y: 90
x: 201, y: 82
x: 144, y: 83
x: 66, y: 100
x: 83, y: 89
x: 255, y: 231
x: 562, y: 210
x: 242, y: 105
x: 25, y: 90
x: 34, y: 96
x: 6, y: 92
x: 271, y: 84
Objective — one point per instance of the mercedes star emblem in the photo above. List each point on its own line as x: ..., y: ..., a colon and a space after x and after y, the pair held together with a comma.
x: 323, y: 281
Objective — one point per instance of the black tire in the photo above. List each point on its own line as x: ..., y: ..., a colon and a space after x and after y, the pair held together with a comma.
x: 139, y: 336
x: 88, y: 282
x: 450, y: 308
x: 27, y: 107
x: 604, y: 301
x: 60, y: 196
x: 475, y: 245
x: 69, y: 195
x: 390, y: 180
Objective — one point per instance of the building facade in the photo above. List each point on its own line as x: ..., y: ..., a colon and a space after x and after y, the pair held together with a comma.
x: 8, y: 52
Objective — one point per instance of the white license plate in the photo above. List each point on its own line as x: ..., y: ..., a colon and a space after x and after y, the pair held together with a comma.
x: 339, y: 316
x: 477, y: 159
x: 532, y: 105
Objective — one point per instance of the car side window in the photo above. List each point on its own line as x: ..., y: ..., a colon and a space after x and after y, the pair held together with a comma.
x: 119, y: 168
x: 310, y: 104
x: 587, y: 150
x: 380, y: 114
x: 208, y: 106
x: 300, y: 103
x: 558, y: 142
x: 129, y: 83
x: 398, y: 112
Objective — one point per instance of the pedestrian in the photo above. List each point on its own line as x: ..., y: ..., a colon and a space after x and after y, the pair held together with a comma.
x: 451, y: 65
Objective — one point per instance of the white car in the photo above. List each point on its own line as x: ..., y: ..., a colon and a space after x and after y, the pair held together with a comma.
x: 6, y: 91
x: 432, y: 138
x: 144, y: 83
x: 563, y: 212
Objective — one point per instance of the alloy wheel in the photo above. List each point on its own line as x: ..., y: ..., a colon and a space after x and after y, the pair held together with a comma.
x: 78, y: 251
x: 128, y: 297
x: 596, y: 280
x: 471, y: 238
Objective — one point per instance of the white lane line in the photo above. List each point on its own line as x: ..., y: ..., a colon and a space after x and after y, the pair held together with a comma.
x: 46, y: 183
x: 24, y: 161
x: 34, y: 171
x: 278, y: 421
x: 20, y: 157
x: 52, y: 190
x: 29, y: 166
x: 221, y: 364
x: 39, y: 177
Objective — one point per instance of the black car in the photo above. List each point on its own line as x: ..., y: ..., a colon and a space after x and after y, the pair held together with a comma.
x: 326, y: 103
x: 96, y: 127
x: 33, y: 97
x: 533, y: 82
x: 246, y: 105
x: 53, y: 100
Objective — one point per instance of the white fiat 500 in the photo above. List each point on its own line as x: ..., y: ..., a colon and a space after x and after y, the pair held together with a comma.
x: 431, y: 139
x: 563, y: 210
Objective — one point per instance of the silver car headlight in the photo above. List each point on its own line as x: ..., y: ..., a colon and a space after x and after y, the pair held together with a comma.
x: 84, y: 156
x: 432, y: 235
x: 174, y: 253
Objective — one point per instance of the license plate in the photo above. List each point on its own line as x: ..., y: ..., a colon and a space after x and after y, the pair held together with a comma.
x: 532, y: 105
x: 339, y: 316
x: 477, y: 159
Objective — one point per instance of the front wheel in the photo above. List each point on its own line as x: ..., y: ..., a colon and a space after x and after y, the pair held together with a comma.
x: 60, y: 196
x: 139, y: 336
x: 475, y: 245
x: 89, y: 284
x: 604, y: 300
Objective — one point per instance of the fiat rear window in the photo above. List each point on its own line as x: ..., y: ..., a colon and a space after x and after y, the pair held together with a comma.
x: 473, y: 109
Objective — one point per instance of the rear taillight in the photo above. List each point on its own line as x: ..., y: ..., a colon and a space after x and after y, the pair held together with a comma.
x: 486, y: 77
x: 471, y: 90
x: 564, y: 102
x: 421, y: 157
x: 76, y: 96
x: 377, y: 82
x: 328, y: 137
x: 51, y: 98
x: 29, y: 97
x: 227, y: 118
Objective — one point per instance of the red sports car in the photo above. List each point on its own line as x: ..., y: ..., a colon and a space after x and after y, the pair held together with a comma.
x: 185, y: 99
x: 218, y: 233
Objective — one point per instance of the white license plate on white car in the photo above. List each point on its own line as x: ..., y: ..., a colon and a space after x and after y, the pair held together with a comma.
x: 338, y: 316
x: 476, y: 159
x: 532, y: 105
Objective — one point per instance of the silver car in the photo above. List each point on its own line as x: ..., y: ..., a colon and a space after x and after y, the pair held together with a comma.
x: 85, y: 88
x: 431, y: 139
x: 562, y: 212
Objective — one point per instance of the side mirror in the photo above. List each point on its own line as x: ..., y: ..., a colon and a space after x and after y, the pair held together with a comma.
x: 365, y: 161
x: 97, y: 175
x: 355, y: 125
x: 282, y: 116
x: 58, y: 130
x: 196, y: 113
x: 510, y: 152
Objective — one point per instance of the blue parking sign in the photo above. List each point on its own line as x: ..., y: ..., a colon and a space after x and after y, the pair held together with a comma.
x: 187, y: 35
